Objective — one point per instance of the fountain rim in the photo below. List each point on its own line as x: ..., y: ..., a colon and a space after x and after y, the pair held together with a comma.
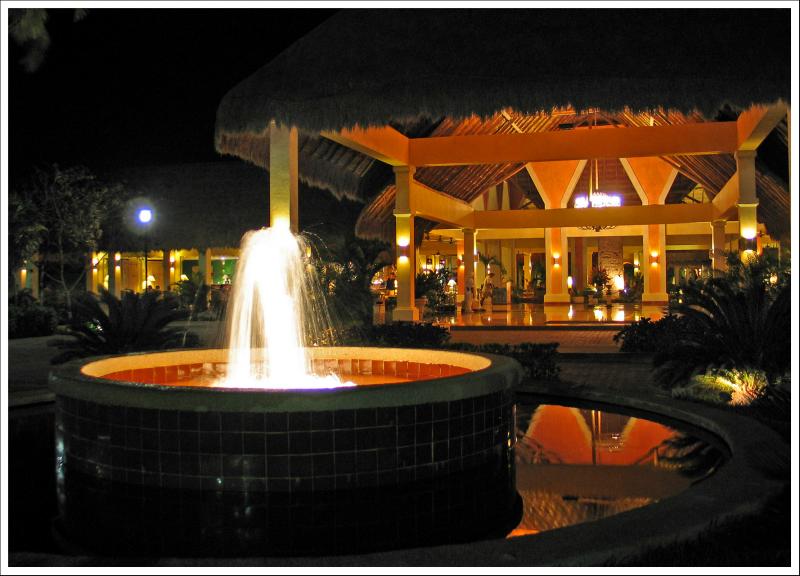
x: 497, y: 373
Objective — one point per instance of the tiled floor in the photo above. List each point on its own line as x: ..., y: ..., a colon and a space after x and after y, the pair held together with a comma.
x: 545, y: 315
x: 570, y: 340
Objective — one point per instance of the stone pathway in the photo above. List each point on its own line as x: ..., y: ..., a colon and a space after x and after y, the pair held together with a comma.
x: 594, y: 341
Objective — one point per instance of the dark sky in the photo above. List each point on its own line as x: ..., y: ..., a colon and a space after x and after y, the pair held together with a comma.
x: 141, y: 86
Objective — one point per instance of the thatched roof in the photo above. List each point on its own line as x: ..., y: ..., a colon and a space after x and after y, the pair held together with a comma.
x: 444, y: 72
x: 372, y: 67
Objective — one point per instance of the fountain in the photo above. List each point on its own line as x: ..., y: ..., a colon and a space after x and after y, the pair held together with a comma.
x: 273, y: 417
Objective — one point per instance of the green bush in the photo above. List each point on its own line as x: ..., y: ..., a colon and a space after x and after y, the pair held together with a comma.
x: 646, y: 336
x: 397, y: 335
x: 538, y: 360
x: 741, y: 324
x: 106, y: 324
x: 29, y: 319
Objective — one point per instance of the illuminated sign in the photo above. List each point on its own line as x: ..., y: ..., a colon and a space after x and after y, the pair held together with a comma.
x: 598, y: 200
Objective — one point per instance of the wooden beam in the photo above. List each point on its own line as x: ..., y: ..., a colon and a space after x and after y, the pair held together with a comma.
x: 727, y: 198
x: 755, y: 124
x: 385, y: 144
x: 687, y: 139
x: 567, y: 217
x: 441, y: 207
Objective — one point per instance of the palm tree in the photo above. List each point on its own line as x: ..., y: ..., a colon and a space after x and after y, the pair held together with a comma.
x: 487, y: 261
x: 132, y: 323
x: 738, y: 322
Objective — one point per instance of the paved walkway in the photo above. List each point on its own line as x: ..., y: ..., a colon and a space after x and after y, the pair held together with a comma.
x: 571, y: 341
x: 523, y: 315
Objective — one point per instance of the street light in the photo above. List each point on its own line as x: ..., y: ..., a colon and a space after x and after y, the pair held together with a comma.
x: 145, y: 216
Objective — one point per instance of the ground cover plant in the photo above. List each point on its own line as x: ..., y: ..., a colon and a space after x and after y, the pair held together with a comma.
x: 106, y: 324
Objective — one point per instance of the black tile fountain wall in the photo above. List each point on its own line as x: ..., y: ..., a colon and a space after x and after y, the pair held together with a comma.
x: 284, y: 452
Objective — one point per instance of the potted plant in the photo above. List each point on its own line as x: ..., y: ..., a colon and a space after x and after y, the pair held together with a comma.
x: 537, y: 281
x: 589, y: 293
x: 600, y: 279
x: 424, y: 284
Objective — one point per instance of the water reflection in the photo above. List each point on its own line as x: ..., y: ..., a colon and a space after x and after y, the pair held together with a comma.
x: 577, y: 465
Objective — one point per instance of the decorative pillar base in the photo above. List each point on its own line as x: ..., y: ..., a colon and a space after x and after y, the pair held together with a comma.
x: 655, y: 298
x: 557, y: 299
x: 405, y: 314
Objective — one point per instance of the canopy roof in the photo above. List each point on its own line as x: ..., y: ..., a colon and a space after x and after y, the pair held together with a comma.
x: 443, y: 72
x: 373, y: 67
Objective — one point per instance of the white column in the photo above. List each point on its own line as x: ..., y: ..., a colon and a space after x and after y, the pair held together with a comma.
x: 283, y: 177
x: 406, y: 251
x: 748, y: 201
x: 718, y: 262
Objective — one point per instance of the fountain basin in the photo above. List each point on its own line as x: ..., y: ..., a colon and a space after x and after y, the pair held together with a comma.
x: 156, y: 420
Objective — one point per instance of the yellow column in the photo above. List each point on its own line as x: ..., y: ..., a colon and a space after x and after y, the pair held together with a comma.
x: 116, y: 270
x: 283, y: 177
x: 555, y: 249
x: 655, y: 275
x: 204, y: 263
x: 469, y: 262
x: 718, y: 263
x: 166, y: 272
x: 507, y: 258
x: 406, y: 251
x: 33, y: 280
x: 460, y: 272
x: 93, y: 274
x: 748, y: 201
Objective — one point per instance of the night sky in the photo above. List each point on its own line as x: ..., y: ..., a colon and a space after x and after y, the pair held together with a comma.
x: 139, y: 87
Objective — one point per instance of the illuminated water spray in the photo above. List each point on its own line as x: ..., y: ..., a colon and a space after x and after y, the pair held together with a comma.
x: 275, y: 308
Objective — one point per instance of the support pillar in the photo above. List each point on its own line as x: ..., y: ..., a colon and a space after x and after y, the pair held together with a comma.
x: 748, y: 201
x: 115, y: 287
x: 469, y: 263
x: 505, y: 200
x: 283, y: 177
x: 507, y: 259
x: 655, y: 275
x: 460, y: 271
x: 578, y: 266
x: 111, y: 265
x: 405, y: 311
x: 676, y: 275
x: 166, y: 269
x: 92, y: 273
x: 204, y: 262
x: 718, y: 262
x: 555, y: 249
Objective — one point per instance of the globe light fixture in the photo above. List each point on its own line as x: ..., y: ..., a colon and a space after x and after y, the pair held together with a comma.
x: 145, y: 217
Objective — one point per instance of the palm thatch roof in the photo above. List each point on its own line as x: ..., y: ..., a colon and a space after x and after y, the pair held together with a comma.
x: 372, y: 67
x: 445, y: 72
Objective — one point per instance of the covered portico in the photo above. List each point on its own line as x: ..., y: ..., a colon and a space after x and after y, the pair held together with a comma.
x: 452, y: 170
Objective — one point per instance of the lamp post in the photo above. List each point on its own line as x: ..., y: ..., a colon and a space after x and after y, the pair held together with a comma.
x: 145, y: 216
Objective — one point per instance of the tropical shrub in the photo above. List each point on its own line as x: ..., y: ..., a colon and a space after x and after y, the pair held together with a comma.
x: 397, y: 335
x: 741, y: 321
x: 433, y: 286
x: 106, y: 324
x: 193, y: 295
x: 539, y: 361
x: 647, y: 336
x: 600, y: 279
x: 28, y: 318
x: 344, y: 274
